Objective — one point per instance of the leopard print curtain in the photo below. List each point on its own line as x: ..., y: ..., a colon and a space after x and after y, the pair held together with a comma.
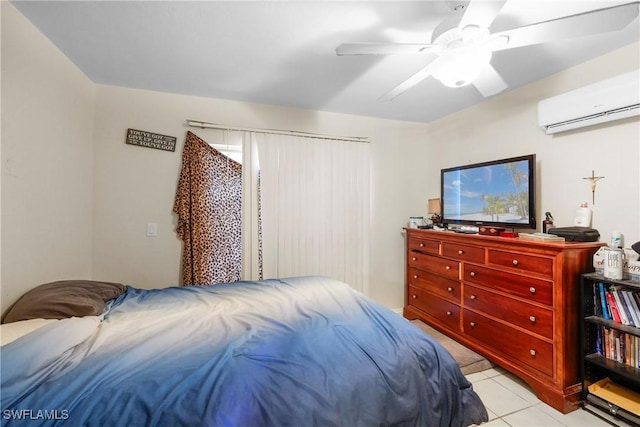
x: 209, y: 207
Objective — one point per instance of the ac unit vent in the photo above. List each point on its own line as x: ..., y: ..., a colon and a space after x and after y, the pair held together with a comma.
x: 605, y: 101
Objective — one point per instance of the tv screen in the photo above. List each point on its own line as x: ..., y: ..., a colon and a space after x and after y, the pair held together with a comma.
x: 495, y: 193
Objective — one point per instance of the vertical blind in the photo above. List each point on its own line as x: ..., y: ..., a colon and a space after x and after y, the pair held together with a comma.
x: 314, y: 208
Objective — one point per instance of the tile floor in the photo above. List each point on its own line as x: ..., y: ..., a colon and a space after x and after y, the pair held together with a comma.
x: 510, y: 402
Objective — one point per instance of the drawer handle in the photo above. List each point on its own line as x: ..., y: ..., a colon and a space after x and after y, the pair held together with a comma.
x: 414, y: 258
x: 472, y: 324
x: 422, y: 245
x: 472, y: 297
x: 532, y: 290
x: 415, y: 276
x: 532, y: 352
x: 532, y: 319
x: 515, y: 262
x: 472, y: 274
x: 449, y: 313
x: 460, y: 252
x: 450, y: 289
x: 447, y: 268
x: 414, y: 296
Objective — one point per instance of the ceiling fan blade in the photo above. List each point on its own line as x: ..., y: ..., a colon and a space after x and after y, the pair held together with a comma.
x: 489, y: 82
x: 407, y: 84
x: 582, y: 24
x: 383, y: 48
x: 481, y: 13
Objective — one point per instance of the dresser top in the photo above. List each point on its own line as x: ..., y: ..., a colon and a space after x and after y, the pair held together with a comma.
x: 495, y: 241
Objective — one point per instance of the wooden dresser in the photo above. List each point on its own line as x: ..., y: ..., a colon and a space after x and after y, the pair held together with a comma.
x: 513, y: 301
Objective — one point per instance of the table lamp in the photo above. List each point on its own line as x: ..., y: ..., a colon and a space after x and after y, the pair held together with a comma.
x: 433, y: 207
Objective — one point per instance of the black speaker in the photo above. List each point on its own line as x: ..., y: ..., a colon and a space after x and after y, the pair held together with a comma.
x: 636, y: 247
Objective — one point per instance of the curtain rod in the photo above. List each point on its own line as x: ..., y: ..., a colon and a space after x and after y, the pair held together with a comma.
x: 199, y: 124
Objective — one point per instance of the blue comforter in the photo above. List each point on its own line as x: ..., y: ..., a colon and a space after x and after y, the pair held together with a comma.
x: 294, y: 352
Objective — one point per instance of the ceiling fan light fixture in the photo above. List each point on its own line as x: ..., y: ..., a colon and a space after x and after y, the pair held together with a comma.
x: 472, y: 32
x: 462, y: 67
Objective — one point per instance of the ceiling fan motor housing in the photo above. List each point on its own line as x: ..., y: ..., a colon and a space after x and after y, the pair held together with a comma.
x: 463, y: 54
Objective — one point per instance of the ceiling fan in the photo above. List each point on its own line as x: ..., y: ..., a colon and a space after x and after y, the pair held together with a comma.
x: 462, y: 46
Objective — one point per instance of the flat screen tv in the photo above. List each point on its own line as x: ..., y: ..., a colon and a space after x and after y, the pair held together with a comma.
x: 499, y: 193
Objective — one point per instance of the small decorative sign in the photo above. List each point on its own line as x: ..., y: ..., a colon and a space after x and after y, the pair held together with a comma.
x: 151, y: 140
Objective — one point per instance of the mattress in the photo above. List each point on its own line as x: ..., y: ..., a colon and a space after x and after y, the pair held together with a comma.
x: 304, y: 351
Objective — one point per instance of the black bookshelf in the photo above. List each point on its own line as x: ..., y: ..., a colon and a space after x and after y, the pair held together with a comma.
x: 596, y: 366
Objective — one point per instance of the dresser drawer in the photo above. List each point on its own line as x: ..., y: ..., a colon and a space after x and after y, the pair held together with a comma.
x: 443, y: 311
x: 526, y: 349
x: 539, y: 265
x: 531, y: 317
x: 424, y: 245
x: 463, y: 252
x: 530, y: 288
x: 438, y: 285
x: 440, y: 266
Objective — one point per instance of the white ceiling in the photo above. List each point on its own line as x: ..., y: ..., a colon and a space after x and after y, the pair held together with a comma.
x: 283, y: 52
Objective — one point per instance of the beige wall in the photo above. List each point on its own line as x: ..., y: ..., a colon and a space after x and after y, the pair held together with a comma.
x: 47, y: 161
x: 134, y: 185
x: 76, y: 199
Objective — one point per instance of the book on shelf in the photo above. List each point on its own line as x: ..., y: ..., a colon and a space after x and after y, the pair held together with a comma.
x: 606, y: 313
x: 634, y: 309
x: 595, y: 293
x: 621, y: 305
x: 611, y: 303
x: 619, y: 346
x: 617, y: 302
x: 636, y: 296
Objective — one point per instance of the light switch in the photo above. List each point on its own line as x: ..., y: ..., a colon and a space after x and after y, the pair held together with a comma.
x: 152, y: 229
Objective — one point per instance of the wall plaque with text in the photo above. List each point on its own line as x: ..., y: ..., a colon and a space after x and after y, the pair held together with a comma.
x: 151, y: 140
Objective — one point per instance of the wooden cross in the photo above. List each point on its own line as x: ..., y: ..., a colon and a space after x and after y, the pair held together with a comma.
x: 593, y: 178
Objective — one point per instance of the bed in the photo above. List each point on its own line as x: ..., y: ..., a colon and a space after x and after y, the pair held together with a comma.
x: 306, y: 351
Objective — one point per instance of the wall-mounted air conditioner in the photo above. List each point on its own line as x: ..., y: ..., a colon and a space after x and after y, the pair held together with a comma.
x: 608, y: 100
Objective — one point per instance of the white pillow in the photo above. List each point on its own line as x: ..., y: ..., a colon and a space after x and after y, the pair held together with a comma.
x: 12, y: 331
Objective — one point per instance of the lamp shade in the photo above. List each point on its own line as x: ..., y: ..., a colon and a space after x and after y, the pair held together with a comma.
x: 433, y: 206
x: 462, y: 66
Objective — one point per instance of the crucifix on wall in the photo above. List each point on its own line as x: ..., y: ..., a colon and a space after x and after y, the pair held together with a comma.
x: 593, y: 178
